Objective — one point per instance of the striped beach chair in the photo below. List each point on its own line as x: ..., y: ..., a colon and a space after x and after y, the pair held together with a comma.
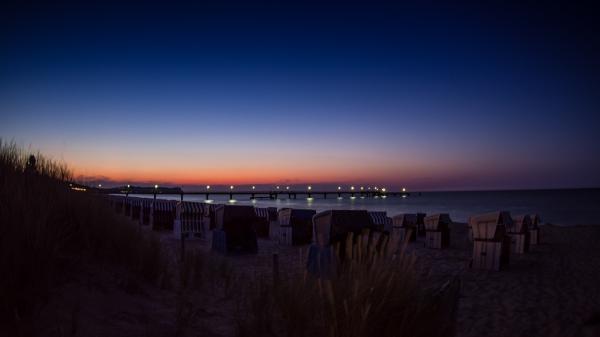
x: 491, y: 245
x: 234, y: 229
x: 437, y: 231
x: 118, y: 201
x: 331, y: 229
x: 534, y: 230
x: 135, y: 208
x: 127, y: 206
x: 295, y: 226
x: 404, y: 227
x: 518, y: 230
x: 209, y: 214
x: 145, y: 207
x: 265, y: 215
x: 381, y: 221
x: 188, y: 219
x: 162, y: 214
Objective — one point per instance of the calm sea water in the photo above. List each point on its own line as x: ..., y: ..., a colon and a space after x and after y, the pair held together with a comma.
x: 560, y: 207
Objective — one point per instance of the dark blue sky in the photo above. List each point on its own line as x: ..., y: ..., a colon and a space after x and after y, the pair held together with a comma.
x: 426, y: 96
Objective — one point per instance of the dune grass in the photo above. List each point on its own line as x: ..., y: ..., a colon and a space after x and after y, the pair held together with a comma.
x: 375, y: 292
x: 49, y: 231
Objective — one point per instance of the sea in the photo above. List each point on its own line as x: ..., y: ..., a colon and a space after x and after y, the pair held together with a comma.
x: 564, y: 207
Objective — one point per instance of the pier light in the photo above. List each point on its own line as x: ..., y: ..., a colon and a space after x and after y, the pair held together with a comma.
x: 376, y: 189
x: 362, y: 188
x: 155, y: 186
x: 369, y: 188
x: 352, y: 188
x: 309, y: 188
x: 339, y: 188
x: 253, y: 187
x: 99, y: 185
x: 277, y: 187
x: 287, y: 187
x: 231, y: 187
x: 128, y: 186
x: 383, y: 189
x: 403, y: 189
x: 208, y: 187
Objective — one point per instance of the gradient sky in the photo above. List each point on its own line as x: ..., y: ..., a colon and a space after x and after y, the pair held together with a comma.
x: 427, y: 97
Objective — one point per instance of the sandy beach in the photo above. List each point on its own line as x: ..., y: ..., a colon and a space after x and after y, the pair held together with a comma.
x: 551, y: 291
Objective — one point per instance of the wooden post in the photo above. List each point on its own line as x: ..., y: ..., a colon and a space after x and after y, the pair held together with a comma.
x: 206, y: 196
x: 275, y: 269
x: 230, y: 196
x: 182, y: 245
x: 182, y: 197
x: 154, y: 195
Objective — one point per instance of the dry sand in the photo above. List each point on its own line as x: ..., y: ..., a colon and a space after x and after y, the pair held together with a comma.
x: 550, y: 291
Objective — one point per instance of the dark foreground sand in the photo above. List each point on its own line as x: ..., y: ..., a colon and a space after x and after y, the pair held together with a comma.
x: 551, y: 291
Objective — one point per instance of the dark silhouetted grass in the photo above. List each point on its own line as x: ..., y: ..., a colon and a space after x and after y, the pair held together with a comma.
x: 48, y: 231
x: 374, y: 293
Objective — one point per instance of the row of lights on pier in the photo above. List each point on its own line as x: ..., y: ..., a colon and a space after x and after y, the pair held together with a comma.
x: 362, y: 188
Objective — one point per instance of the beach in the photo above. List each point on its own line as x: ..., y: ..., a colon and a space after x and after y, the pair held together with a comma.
x: 550, y: 291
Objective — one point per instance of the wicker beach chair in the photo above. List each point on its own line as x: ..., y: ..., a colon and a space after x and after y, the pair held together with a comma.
x: 404, y: 227
x: 188, y: 220
x: 491, y: 245
x: 331, y: 229
x: 381, y: 221
x: 265, y: 215
x: 162, y: 214
x: 234, y: 229
x: 518, y: 231
x: 437, y: 231
x: 534, y: 230
x: 145, y: 208
x: 295, y: 226
x: 135, y: 208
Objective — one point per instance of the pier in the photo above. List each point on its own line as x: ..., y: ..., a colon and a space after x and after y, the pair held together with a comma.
x: 276, y: 194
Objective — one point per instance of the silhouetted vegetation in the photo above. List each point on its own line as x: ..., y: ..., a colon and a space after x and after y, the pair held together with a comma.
x: 375, y: 293
x: 49, y: 231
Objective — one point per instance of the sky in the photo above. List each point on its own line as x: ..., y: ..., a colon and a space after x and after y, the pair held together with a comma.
x: 428, y: 97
